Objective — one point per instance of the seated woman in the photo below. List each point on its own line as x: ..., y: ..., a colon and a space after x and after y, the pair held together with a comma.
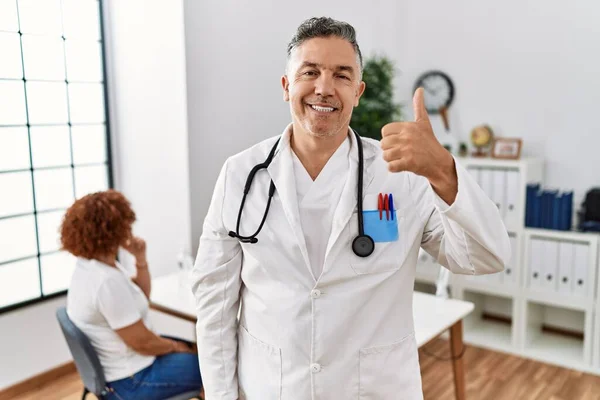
x: 112, y: 309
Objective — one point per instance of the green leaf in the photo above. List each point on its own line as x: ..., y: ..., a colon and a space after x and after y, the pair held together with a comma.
x: 376, y: 107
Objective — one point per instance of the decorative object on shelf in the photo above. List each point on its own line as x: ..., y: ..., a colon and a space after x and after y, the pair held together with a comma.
x: 438, y: 91
x: 547, y: 209
x: 462, y: 149
x: 507, y: 148
x: 376, y: 107
x: 589, y: 214
x: 482, y: 137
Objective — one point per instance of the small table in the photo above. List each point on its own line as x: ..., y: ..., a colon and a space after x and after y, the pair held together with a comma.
x: 433, y: 315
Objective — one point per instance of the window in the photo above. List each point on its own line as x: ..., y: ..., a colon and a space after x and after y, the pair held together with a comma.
x: 54, y: 137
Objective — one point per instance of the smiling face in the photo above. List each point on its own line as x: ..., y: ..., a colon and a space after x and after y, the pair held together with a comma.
x: 322, y: 85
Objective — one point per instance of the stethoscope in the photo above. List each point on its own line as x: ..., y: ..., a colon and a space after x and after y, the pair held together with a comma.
x: 362, y: 245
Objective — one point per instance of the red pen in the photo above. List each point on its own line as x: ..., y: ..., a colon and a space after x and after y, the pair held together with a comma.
x: 387, y: 207
x: 380, y: 206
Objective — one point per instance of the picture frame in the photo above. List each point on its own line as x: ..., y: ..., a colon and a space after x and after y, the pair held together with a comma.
x: 507, y: 148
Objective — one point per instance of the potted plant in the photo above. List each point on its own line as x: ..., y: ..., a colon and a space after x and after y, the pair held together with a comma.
x: 376, y: 107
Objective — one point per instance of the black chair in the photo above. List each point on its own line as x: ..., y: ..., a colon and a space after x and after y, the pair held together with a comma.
x: 86, y: 360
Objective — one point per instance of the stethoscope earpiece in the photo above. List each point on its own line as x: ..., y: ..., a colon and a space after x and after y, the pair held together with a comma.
x: 363, y: 245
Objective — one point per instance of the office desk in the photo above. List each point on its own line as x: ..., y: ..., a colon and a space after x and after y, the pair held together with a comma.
x: 171, y: 294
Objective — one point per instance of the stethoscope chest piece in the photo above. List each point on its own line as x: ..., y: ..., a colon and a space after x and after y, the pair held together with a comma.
x: 363, y: 245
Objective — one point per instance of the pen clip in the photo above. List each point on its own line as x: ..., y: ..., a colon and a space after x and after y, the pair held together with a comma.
x: 380, y: 206
x: 392, y: 205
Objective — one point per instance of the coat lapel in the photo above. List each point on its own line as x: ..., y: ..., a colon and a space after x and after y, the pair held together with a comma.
x: 348, y: 200
x: 281, y: 171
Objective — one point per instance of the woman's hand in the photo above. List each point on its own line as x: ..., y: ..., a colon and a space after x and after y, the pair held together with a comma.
x: 181, y: 347
x: 137, y: 246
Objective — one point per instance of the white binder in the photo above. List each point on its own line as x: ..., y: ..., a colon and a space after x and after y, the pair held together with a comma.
x: 581, y: 266
x: 512, y: 200
x: 550, y: 265
x: 565, y: 268
x: 487, y: 181
x: 534, y: 263
x: 510, y: 273
x: 499, y: 192
x: 476, y: 174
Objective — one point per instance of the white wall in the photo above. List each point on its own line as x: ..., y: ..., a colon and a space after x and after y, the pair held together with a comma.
x: 149, y: 122
x: 31, y: 342
x: 149, y: 132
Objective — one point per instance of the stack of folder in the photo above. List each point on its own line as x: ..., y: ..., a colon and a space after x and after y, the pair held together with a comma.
x: 548, y: 209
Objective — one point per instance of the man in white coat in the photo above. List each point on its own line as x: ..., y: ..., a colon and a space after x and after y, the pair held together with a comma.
x: 297, y: 312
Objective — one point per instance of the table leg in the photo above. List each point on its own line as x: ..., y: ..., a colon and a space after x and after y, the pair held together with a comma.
x: 458, y: 366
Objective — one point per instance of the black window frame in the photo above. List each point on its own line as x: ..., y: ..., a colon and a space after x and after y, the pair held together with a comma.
x: 109, y: 161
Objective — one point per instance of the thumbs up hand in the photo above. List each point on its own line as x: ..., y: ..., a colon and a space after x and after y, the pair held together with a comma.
x: 412, y: 146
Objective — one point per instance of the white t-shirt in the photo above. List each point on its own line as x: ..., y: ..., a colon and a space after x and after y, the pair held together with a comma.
x: 100, y: 300
x: 318, y: 200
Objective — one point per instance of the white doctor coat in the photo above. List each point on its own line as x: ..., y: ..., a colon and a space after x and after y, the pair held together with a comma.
x: 347, y: 334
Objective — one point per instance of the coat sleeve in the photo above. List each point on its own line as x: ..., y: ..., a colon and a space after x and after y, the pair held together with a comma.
x: 216, y: 284
x: 467, y: 237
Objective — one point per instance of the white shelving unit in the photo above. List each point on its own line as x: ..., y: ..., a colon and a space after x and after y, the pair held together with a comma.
x: 552, y: 316
x: 596, y: 331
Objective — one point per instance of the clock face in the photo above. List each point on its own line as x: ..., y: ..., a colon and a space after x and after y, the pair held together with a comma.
x: 438, y: 90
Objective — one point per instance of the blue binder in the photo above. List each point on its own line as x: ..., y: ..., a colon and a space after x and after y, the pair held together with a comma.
x: 556, y: 211
x: 530, y: 201
x: 537, y: 210
x: 566, y: 211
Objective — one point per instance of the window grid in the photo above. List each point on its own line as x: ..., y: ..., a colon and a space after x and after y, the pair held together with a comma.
x: 72, y: 166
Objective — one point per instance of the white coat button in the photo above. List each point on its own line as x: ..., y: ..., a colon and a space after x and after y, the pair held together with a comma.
x: 315, y: 294
x: 315, y: 368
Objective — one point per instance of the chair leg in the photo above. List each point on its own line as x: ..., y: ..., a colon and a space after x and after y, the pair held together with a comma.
x: 85, y: 393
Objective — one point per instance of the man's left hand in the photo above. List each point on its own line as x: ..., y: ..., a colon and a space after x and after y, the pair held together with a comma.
x: 412, y: 146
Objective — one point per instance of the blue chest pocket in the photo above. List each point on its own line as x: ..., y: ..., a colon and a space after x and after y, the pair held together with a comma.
x: 380, y: 230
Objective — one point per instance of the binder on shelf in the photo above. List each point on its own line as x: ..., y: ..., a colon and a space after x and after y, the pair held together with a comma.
x: 475, y: 173
x: 535, y: 262
x: 581, y: 267
x: 537, y: 210
x: 566, y: 211
x: 487, y: 182
x: 530, y: 194
x: 512, y: 199
x: 548, y: 197
x: 510, y: 275
x: 556, y: 211
x: 565, y: 267
x: 549, y: 265
x: 499, y: 192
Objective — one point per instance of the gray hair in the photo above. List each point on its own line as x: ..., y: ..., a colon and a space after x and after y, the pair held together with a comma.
x: 324, y: 27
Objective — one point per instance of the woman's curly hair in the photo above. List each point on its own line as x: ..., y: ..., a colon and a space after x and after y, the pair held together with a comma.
x: 97, y: 224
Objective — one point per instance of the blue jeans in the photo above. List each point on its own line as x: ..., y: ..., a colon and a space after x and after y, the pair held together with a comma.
x: 169, y: 375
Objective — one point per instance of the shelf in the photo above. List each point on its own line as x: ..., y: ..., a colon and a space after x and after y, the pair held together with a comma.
x: 483, y: 286
x: 497, y: 163
x: 426, y: 278
x: 560, y: 300
x: 575, y: 236
x: 485, y: 327
x: 549, y: 335
x: 425, y: 287
x: 489, y: 334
